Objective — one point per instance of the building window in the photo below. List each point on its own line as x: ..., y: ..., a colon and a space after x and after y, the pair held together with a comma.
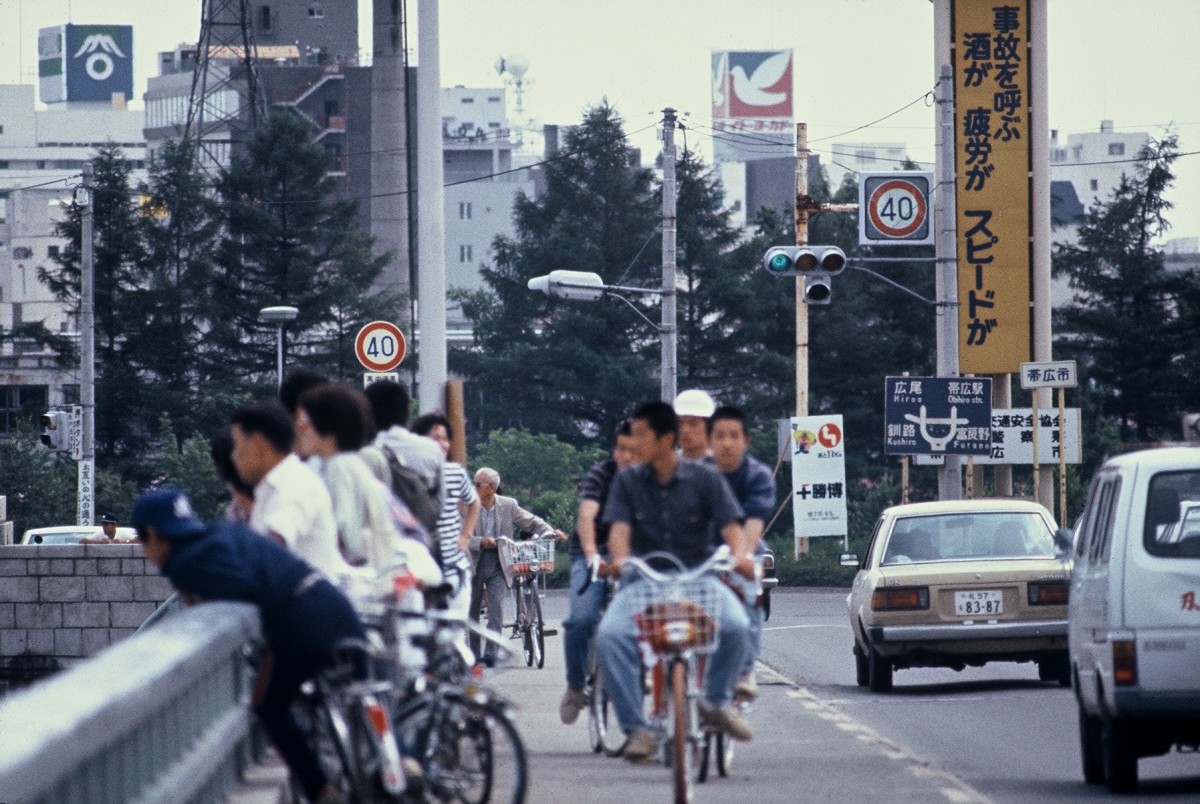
x: 464, y: 210
x: 41, y: 164
x: 464, y: 254
x: 1116, y: 149
x: 264, y: 19
x: 3, y: 207
x: 316, y: 12
x: 22, y: 403
x: 468, y: 100
x: 1094, y: 184
x: 52, y: 251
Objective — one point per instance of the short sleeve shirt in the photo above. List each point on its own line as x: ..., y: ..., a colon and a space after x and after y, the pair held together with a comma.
x: 682, y: 517
x: 596, y: 485
x: 753, y: 486
x: 458, y: 489
x: 293, y: 503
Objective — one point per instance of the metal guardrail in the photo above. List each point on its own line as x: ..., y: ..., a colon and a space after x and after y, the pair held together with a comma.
x: 161, y: 717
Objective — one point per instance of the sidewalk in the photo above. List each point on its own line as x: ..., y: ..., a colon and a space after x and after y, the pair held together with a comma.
x: 805, y: 749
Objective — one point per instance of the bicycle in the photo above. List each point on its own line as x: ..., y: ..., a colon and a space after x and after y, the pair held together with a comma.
x: 528, y: 561
x: 678, y: 621
x: 349, y: 727
x: 604, y: 734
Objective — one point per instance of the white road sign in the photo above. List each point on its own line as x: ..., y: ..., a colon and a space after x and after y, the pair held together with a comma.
x: 894, y: 208
x: 818, y: 476
x: 1049, y: 374
x: 380, y: 346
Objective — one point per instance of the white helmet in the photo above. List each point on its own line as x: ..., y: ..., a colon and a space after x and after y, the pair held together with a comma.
x: 694, y: 402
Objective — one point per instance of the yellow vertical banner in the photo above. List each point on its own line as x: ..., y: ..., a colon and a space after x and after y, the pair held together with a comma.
x: 991, y: 55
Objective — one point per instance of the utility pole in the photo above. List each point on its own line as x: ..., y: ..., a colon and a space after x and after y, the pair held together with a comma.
x: 801, y: 307
x: 669, y: 366
x: 431, y: 225
x: 950, y: 473
x: 85, y: 197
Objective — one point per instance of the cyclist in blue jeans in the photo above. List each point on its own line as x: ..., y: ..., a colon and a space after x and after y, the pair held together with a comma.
x: 677, y: 506
x: 304, y: 616
x: 589, y: 542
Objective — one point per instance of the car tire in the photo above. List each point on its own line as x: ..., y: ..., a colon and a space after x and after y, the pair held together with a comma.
x: 879, y: 672
x: 1057, y: 669
x: 862, y: 673
x: 1120, y: 755
x: 1091, y: 746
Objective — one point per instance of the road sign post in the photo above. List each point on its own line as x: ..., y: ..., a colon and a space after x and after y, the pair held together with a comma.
x: 895, y: 209
x: 1060, y: 374
x: 380, y: 346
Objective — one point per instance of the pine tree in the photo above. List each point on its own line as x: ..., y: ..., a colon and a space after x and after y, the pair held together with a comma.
x: 1124, y: 324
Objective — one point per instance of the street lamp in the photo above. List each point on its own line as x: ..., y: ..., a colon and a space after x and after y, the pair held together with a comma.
x: 279, y: 316
x: 587, y: 286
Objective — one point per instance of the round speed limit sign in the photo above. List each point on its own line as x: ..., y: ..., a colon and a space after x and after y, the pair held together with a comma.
x: 380, y: 346
x: 896, y: 209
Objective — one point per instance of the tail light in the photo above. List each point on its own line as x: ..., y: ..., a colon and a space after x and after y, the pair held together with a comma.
x: 1053, y: 593
x: 1124, y: 652
x: 900, y: 599
x: 376, y: 716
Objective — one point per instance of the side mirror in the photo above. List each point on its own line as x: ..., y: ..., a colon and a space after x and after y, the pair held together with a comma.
x: 848, y: 560
x: 1063, y: 539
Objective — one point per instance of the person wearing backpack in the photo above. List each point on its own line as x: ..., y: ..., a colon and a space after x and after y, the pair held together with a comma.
x: 411, y: 465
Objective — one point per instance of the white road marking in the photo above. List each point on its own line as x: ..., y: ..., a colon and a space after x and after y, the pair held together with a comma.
x: 814, y: 625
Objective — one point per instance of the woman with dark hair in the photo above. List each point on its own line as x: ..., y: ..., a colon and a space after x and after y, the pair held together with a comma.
x: 241, y: 493
x: 374, y: 528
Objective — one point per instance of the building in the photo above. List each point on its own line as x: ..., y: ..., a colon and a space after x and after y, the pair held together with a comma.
x: 41, y: 156
x: 1094, y: 162
x: 855, y: 158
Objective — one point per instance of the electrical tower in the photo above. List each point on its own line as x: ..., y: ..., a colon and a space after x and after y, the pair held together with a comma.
x: 227, y: 101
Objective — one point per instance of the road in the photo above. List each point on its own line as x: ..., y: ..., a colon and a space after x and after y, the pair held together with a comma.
x: 985, y: 734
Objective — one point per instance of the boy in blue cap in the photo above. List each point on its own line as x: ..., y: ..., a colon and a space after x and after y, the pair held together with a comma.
x: 303, y: 615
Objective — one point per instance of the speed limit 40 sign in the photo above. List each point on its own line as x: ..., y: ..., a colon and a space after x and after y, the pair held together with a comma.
x: 380, y: 346
x: 894, y: 208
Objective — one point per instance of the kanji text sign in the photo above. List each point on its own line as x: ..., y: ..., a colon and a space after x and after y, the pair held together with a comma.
x: 937, y: 415
x: 1012, y: 437
x: 990, y: 51
x: 818, y: 451
x: 1055, y: 374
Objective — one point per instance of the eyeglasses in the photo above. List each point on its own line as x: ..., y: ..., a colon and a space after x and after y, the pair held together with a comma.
x: 480, y: 484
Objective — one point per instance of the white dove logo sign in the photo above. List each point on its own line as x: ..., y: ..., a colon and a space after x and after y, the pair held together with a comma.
x: 758, y: 83
x: 102, y: 47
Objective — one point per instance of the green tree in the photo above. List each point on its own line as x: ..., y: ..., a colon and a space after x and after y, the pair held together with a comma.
x: 287, y: 241
x: 572, y: 369
x: 1124, y: 323
x: 540, y: 471
x: 116, y: 258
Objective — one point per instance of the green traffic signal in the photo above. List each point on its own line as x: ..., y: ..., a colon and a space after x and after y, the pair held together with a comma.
x: 779, y: 262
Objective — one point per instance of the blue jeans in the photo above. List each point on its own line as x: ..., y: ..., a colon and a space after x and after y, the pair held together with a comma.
x: 581, y: 622
x: 616, y: 644
x: 754, y: 614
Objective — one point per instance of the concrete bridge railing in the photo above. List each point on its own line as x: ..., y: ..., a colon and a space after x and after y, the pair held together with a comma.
x: 162, y: 716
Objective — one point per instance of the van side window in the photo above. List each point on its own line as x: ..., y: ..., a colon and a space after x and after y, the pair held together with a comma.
x: 1084, y: 538
x: 871, y: 544
x: 1172, y: 528
x: 1106, y: 521
x: 1100, y: 519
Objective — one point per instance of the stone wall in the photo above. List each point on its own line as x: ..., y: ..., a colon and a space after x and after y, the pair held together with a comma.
x: 61, y: 603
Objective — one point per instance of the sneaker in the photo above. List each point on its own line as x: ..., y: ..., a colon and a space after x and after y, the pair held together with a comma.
x: 728, y: 720
x: 746, y: 689
x: 573, y: 702
x: 641, y: 744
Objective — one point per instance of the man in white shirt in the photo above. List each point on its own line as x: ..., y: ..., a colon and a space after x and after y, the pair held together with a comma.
x: 389, y: 405
x: 291, y: 504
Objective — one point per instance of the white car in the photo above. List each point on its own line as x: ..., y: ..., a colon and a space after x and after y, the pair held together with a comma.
x: 1135, y: 613
x: 72, y: 534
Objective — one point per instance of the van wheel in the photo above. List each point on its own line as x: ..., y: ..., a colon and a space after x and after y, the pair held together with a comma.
x: 1120, y: 756
x: 862, y: 673
x: 879, y: 672
x: 1091, y: 747
x: 1055, y: 669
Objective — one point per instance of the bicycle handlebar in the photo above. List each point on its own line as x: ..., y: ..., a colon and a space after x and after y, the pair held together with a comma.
x: 720, y: 561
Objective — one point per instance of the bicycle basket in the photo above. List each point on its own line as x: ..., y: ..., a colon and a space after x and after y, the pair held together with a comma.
x: 528, y: 558
x: 677, y: 616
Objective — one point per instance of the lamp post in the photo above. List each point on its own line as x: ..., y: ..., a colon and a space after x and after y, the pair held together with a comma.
x: 587, y: 286
x: 279, y: 316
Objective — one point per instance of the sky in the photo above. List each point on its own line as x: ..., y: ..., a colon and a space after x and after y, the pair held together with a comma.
x: 1131, y: 61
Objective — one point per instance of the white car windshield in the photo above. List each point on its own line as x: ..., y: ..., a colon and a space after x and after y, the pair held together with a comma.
x: 969, y: 536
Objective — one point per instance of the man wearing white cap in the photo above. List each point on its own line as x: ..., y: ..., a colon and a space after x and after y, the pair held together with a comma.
x: 694, y: 407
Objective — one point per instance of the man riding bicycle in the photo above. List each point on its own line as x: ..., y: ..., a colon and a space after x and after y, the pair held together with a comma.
x: 676, y: 506
x: 589, y: 543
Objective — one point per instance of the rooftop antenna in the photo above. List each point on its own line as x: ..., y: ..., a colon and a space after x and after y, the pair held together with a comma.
x: 512, y: 69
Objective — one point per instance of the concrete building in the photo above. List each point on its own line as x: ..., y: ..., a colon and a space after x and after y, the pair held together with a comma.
x: 853, y: 158
x: 1094, y: 161
x: 41, y: 156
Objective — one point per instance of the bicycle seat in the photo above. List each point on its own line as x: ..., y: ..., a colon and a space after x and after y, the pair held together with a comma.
x: 348, y: 658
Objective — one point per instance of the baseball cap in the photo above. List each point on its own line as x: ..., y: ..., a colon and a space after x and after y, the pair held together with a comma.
x: 106, y: 518
x: 169, y: 511
x: 694, y: 402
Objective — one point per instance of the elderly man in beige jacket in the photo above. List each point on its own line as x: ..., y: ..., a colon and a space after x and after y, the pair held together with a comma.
x: 499, y: 516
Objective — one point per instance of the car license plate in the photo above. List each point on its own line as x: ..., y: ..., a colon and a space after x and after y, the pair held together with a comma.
x: 981, y: 601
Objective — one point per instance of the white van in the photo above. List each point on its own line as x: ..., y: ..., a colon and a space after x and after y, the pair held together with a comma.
x: 1134, y: 615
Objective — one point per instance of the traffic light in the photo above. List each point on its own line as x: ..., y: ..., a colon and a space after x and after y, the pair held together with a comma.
x: 817, y: 264
x: 54, y: 430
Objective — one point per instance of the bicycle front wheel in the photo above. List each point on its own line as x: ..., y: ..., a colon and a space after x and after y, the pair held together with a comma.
x: 538, y: 626
x: 469, y: 752
x: 681, y: 743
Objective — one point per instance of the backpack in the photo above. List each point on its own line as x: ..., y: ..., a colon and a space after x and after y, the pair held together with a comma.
x: 410, y: 487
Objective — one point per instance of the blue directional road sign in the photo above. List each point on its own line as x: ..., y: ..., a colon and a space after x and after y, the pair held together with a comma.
x: 937, y: 416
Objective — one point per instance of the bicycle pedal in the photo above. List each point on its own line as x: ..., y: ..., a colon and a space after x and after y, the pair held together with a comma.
x: 550, y: 632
